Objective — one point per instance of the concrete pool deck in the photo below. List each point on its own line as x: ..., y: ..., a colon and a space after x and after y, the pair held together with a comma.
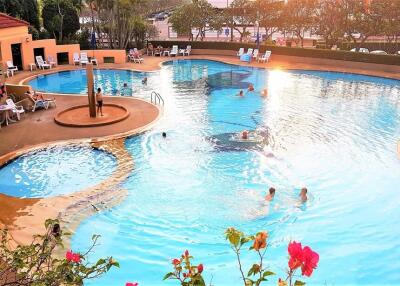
x: 39, y: 130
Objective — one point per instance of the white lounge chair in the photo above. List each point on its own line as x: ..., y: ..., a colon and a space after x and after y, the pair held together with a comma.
x: 17, y: 110
x: 11, y: 68
x: 188, y: 50
x: 240, y: 52
x: 265, y: 57
x: 41, y: 63
x: 255, y: 54
x: 174, y: 51
x: 250, y: 51
x: 378, y: 52
x: 84, y: 59
x: 41, y: 103
x: 138, y: 59
x: 51, y: 61
x: 361, y: 50
x: 76, y: 59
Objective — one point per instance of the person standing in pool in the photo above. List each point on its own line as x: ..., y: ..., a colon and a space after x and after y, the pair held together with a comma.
x: 99, y: 99
x: 144, y: 81
x: 271, y: 194
x: 240, y: 93
x: 303, y: 195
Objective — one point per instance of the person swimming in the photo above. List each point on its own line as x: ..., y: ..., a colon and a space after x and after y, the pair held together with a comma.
x: 271, y: 194
x: 240, y: 93
x: 303, y: 195
x: 245, y: 135
x: 144, y: 81
x: 264, y: 92
x: 164, y: 135
x: 250, y: 88
x: 126, y: 91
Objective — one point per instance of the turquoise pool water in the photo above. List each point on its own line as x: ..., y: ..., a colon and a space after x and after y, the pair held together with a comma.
x: 334, y: 133
x: 55, y: 171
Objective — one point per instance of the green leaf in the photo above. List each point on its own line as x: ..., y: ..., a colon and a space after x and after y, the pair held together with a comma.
x: 299, y: 283
x: 268, y: 273
x: 168, y: 275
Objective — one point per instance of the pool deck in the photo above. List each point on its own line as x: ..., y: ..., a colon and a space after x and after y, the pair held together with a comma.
x: 37, y: 130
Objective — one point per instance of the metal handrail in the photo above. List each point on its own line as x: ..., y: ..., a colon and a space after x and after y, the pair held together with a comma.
x: 155, y: 96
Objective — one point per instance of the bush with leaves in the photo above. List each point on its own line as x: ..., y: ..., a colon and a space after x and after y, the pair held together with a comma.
x: 36, y: 264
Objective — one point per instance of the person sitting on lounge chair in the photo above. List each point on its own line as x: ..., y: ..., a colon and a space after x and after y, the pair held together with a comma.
x: 35, y: 95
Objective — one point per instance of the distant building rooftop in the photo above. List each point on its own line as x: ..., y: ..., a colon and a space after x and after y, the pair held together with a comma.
x: 7, y: 21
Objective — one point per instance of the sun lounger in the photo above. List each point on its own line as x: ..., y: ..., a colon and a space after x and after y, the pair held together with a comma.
x: 84, y: 59
x: 41, y: 63
x: 51, y: 61
x: 174, y: 51
x: 255, y: 54
x: 76, y: 59
x: 41, y: 103
x: 11, y: 68
x: 265, y: 58
x: 240, y: 52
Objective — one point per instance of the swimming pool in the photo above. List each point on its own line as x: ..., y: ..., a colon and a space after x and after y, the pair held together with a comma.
x: 334, y: 133
x: 75, y: 82
x: 55, y: 171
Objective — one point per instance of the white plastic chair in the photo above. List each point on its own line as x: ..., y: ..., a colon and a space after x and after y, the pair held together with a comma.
x: 255, y: 54
x: 265, y: 58
x: 51, y: 61
x: 17, y: 110
x: 11, y: 68
x: 250, y: 51
x: 41, y: 63
x: 240, y: 52
x: 84, y: 59
x: 76, y: 59
x: 174, y: 51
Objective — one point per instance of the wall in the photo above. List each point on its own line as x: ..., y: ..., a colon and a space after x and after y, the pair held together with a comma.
x: 119, y: 55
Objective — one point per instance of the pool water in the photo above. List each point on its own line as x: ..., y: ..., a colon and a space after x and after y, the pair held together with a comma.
x: 332, y: 132
x: 55, y: 171
x: 75, y: 82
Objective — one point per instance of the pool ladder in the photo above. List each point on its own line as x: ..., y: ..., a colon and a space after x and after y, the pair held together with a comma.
x: 156, y: 98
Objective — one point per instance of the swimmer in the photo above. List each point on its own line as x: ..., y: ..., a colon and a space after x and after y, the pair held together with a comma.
x: 303, y: 195
x: 264, y: 92
x: 144, y: 81
x: 271, y: 194
x: 240, y: 93
x: 245, y: 134
x: 164, y: 135
x: 126, y: 91
x: 250, y: 88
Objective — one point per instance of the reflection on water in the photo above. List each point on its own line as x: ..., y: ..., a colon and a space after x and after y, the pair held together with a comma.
x: 334, y: 133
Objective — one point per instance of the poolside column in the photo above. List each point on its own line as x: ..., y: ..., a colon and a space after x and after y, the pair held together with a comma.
x: 91, y: 94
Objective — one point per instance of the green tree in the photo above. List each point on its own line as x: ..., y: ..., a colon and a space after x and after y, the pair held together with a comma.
x: 244, y: 15
x: 270, y: 15
x: 24, y: 9
x: 299, y: 17
x: 330, y: 22
x: 60, y: 18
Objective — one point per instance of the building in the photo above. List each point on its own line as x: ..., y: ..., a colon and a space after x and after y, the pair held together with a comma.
x: 16, y: 45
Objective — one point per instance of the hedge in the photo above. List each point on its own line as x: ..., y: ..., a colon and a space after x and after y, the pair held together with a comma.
x: 287, y: 51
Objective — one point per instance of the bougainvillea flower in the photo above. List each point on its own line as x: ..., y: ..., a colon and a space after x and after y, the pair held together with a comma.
x: 132, y: 284
x: 310, y: 261
x: 296, y: 255
x: 76, y: 257
x: 176, y: 261
x: 186, y: 253
x: 200, y: 268
x: 260, y: 241
x: 69, y: 255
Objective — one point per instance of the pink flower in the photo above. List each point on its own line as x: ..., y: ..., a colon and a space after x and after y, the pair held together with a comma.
x: 310, y: 261
x: 296, y: 255
x: 72, y: 257
x: 69, y: 255
x: 132, y: 284
x: 176, y: 261
x: 186, y: 253
x: 200, y: 268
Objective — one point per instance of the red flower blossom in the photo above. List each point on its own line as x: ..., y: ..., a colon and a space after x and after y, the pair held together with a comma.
x: 200, y: 268
x: 132, y: 284
x: 310, y: 261
x: 74, y: 257
x: 296, y: 255
x: 186, y: 253
x: 176, y: 261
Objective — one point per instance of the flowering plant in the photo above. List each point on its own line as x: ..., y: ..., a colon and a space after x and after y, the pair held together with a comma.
x: 37, y: 264
x: 185, y: 272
